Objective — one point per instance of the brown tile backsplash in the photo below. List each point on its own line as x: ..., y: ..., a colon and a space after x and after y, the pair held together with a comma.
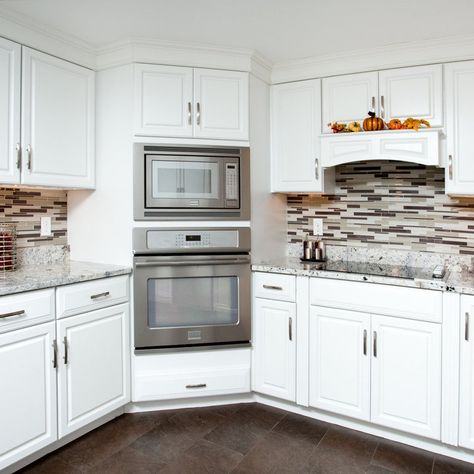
x: 25, y: 207
x: 387, y: 204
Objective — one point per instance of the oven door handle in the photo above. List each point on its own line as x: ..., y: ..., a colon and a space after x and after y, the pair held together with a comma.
x: 181, y: 263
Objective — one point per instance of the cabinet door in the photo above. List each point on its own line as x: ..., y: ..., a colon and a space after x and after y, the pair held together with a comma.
x: 412, y: 92
x: 221, y: 104
x: 28, y: 395
x: 466, y: 391
x: 93, y: 376
x: 406, y: 375
x: 459, y: 135
x: 10, y: 81
x: 274, y: 348
x: 339, y: 367
x: 296, y: 122
x: 163, y: 100
x: 349, y: 98
x: 57, y: 122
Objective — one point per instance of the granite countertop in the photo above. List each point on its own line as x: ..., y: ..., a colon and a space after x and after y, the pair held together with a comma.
x: 400, y: 275
x: 35, y: 277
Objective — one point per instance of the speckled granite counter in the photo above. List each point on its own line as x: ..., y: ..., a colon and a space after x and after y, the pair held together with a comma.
x: 414, y: 277
x: 35, y: 277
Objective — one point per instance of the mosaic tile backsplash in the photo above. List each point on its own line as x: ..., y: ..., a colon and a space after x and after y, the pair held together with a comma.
x: 390, y: 205
x: 25, y: 207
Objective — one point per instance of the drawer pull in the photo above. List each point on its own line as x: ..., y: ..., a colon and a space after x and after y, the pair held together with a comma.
x: 100, y: 295
x: 66, y: 354
x: 375, y: 343
x: 13, y: 313
x: 197, y: 385
x: 290, y: 328
x: 272, y: 287
x: 365, y: 342
x: 55, y: 354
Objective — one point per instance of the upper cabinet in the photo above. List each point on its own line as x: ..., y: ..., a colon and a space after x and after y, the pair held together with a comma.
x: 460, y: 138
x: 296, y: 125
x: 10, y: 80
x: 395, y: 93
x: 56, y: 117
x: 194, y: 103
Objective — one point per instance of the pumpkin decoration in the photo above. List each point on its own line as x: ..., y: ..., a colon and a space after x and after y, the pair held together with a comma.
x: 373, y: 123
x: 354, y: 127
x: 395, y: 124
x: 338, y: 127
x: 415, y: 124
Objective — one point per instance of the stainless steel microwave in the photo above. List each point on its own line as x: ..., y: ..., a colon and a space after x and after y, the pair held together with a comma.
x: 191, y: 183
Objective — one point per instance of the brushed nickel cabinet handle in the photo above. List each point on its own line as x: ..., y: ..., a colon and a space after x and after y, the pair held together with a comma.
x: 21, y: 312
x: 29, y: 162
x: 66, y: 352
x: 55, y: 354
x: 18, y: 156
x: 290, y: 328
x: 198, y: 113
x: 316, y: 168
x: 197, y: 385
x: 466, y: 326
x: 375, y: 343
x: 272, y: 287
x: 100, y: 295
x: 450, y: 166
x: 382, y: 106
x: 365, y: 342
x: 190, y: 114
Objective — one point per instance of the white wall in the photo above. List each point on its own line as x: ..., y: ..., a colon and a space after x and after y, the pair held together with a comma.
x: 100, y: 222
x: 268, y: 210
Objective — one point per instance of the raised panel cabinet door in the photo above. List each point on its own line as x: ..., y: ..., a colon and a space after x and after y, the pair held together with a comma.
x: 221, y: 104
x: 459, y: 93
x: 274, y: 348
x: 93, y: 377
x: 163, y: 101
x: 58, y: 109
x: 349, y: 98
x: 466, y: 389
x: 412, y: 92
x: 296, y: 125
x: 28, y: 417
x: 406, y: 375
x: 10, y: 82
x: 339, y: 366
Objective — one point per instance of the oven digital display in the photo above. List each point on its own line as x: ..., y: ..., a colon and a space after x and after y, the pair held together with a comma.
x: 193, y: 238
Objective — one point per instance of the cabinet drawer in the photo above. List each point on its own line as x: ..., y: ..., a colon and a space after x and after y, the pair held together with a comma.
x: 274, y: 286
x: 90, y: 295
x: 390, y: 300
x: 26, y: 309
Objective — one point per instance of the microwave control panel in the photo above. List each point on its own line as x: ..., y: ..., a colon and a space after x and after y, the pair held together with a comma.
x: 182, y: 239
x: 231, y: 185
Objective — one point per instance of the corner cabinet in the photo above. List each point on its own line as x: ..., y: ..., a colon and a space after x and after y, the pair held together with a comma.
x: 296, y: 125
x: 190, y: 102
x: 459, y: 78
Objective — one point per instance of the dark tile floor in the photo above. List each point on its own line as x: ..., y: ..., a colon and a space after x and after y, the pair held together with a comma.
x: 248, y: 438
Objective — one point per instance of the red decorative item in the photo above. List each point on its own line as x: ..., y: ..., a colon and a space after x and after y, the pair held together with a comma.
x: 7, y: 247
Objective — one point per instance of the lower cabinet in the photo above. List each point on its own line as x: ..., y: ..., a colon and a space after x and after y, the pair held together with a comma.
x: 28, y: 417
x: 382, y: 369
x: 93, y: 377
x: 274, y: 360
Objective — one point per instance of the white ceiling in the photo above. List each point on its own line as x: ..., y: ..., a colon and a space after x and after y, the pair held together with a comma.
x: 279, y: 29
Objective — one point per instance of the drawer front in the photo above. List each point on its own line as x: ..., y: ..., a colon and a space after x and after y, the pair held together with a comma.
x: 26, y: 309
x: 410, y: 303
x: 91, y: 295
x: 274, y: 286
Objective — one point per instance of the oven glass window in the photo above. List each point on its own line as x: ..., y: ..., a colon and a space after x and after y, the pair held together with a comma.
x: 196, y: 301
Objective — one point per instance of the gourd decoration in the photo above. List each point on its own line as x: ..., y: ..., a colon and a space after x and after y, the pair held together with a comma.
x: 373, y: 123
x: 395, y: 124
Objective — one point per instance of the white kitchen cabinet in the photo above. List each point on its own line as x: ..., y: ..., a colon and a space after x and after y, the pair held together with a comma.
x: 163, y: 100
x: 93, y: 376
x: 339, y: 366
x: 412, y: 92
x: 274, y: 348
x: 466, y: 391
x: 406, y: 375
x: 175, y: 101
x: 459, y: 92
x: 10, y: 82
x: 57, y: 117
x: 296, y: 125
x: 349, y: 98
x: 28, y: 417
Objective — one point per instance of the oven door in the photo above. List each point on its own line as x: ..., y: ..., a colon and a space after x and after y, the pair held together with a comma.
x: 191, y: 299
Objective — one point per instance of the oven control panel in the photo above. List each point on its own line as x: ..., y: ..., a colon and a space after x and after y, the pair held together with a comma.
x: 188, y: 239
x: 232, y: 185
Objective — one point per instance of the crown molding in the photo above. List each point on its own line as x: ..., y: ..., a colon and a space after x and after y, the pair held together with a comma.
x: 453, y: 48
